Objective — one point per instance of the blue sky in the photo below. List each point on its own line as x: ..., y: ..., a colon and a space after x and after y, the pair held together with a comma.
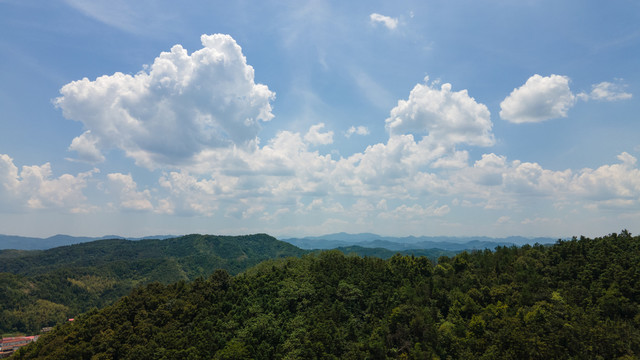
x: 299, y: 118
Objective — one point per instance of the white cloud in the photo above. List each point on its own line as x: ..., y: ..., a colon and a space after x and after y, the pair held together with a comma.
x: 126, y: 190
x: 183, y: 105
x: 499, y: 184
x: 606, y: 91
x: 416, y: 170
x: 273, y: 216
x: 447, y: 118
x: 34, y: 187
x: 380, y: 165
x: 531, y: 179
x: 315, y: 137
x: 415, y: 212
x: 503, y: 220
x: 85, y: 146
x: 8, y: 175
x: 360, y: 130
x: 191, y: 195
x: 389, y: 22
x: 489, y: 169
x: 539, y: 99
x: 165, y: 206
x: 458, y: 159
x: 618, y: 181
x: 540, y: 221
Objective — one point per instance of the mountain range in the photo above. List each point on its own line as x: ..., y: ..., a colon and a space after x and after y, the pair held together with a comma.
x: 329, y: 241
x: 368, y: 240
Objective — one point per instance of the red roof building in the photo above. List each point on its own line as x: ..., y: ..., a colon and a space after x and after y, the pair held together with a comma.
x: 10, y: 344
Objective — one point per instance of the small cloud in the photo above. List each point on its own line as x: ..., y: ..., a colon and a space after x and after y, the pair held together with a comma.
x: 415, y: 211
x: 627, y: 159
x: 606, y: 91
x: 458, y: 159
x: 360, y: 130
x: 165, y: 206
x: 539, y: 221
x: 315, y: 137
x: 540, y: 98
x: 503, y: 220
x: 389, y: 22
x: 273, y: 216
x: 86, y: 147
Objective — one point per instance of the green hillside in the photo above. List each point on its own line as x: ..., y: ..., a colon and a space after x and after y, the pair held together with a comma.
x: 43, y: 288
x: 577, y: 299
x: 432, y: 254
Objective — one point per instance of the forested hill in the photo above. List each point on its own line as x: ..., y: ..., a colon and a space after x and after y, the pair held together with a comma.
x: 383, y: 253
x: 193, y: 255
x: 577, y: 299
x: 42, y: 288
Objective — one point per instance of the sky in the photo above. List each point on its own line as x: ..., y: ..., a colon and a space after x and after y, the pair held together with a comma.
x: 295, y: 118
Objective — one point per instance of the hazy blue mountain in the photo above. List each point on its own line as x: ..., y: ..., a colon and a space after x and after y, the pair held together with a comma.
x: 332, y: 241
x: 329, y: 241
x: 342, y: 236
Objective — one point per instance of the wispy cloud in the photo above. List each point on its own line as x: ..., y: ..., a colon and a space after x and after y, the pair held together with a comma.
x: 360, y: 130
x: 372, y: 90
x: 606, y: 91
x: 141, y: 17
x: 389, y: 22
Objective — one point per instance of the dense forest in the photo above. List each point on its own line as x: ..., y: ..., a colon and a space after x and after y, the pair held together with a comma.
x: 44, y: 288
x: 576, y: 299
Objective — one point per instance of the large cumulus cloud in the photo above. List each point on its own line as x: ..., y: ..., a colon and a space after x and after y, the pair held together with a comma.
x: 165, y: 116
x: 446, y: 117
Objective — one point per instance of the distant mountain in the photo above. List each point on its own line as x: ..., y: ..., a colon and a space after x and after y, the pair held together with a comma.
x: 34, y: 243
x: 342, y: 236
x: 332, y: 241
x: 329, y: 241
